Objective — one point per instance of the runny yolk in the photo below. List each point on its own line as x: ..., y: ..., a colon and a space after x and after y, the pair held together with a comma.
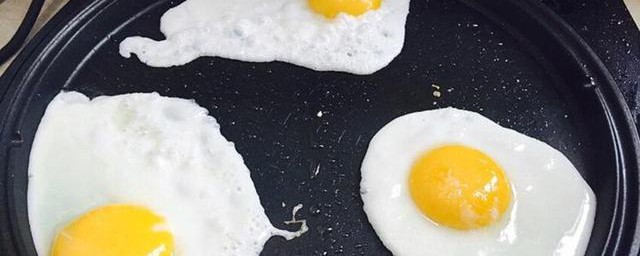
x: 331, y: 8
x: 459, y: 187
x: 115, y: 230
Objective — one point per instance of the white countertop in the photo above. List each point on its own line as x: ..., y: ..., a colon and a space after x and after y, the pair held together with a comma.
x: 12, y: 12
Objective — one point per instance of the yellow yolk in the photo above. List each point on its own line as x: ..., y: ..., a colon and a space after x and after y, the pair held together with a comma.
x: 331, y: 8
x: 459, y: 187
x: 115, y: 230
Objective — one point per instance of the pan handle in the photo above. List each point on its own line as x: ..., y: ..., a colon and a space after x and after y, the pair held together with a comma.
x: 20, y: 37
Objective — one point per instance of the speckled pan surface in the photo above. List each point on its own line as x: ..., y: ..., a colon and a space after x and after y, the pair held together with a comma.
x: 512, y: 61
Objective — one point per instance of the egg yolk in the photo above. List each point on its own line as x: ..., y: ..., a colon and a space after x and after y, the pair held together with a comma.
x: 459, y: 187
x: 118, y: 230
x: 331, y: 8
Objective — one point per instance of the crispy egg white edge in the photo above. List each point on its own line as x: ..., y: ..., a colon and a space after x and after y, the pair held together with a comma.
x: 190, y: 33
x: 43, y: 196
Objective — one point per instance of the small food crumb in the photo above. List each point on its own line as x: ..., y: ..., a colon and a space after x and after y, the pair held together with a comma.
x: 436, y: 92
x: 319, y: 114
x: 303, y: 223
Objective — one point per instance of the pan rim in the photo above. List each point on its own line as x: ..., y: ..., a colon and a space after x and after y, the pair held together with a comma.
x: 593, y: 67
x: 15, y: 82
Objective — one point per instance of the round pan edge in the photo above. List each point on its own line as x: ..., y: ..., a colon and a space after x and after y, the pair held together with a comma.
x: 625, y: 231
x: 624, y: 234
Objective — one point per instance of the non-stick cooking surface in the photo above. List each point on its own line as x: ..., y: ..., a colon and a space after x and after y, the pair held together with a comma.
x: 512, y: 61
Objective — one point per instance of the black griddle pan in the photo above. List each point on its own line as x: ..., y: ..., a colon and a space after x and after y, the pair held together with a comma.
x: 513, y: 61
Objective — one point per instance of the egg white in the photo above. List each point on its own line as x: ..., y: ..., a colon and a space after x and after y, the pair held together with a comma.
x: 552, y: 207
x: 275, y: 30
x: 162, y: 153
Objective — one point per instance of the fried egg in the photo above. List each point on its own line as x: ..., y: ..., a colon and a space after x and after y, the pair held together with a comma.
x: 140, y: 174
x: 452, y: 182
x: 355, y: 36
